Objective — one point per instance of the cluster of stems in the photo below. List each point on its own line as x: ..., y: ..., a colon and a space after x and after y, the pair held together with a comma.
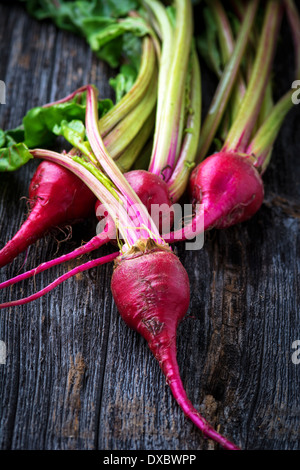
x: 243, y: 113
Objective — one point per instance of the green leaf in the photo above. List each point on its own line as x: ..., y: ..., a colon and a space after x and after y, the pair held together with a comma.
x: 12, y: 136
x: 2, y: 138
x: 13, y: 156
x: 124, y: 81
x: 69, y: 12
x: 102, y: 24
x: 115, y: 39
x: 40, y: 128
x: 74, y: 133
x: 39, y: 122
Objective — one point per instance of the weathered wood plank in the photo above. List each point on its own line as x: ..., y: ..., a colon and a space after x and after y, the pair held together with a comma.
x: 75, y: 376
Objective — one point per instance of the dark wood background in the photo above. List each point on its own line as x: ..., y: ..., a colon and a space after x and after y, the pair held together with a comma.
x: 75, y: 376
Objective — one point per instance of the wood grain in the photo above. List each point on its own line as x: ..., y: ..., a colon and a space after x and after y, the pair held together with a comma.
x: 75, y: 376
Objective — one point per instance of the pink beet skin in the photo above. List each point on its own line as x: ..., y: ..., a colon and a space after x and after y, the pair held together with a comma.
x: 161, y: 279
x: 152, y: 191
x: 66, y: 197
x: 229, y: 187
x: 152, y: 292
x: 225, y: 189
x: 57, y: 198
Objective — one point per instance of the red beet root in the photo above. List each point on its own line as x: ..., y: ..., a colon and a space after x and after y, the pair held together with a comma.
x: 229, y: 189
x: 229, y: 186
x: 151, y: 290
x: 57, y: 198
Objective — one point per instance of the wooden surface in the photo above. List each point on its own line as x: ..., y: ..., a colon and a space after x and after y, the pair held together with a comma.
x: 75, y: 376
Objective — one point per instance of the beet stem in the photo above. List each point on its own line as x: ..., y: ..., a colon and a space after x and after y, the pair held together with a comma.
x: 135, y: 94
x: 201, y: 222
x: 176, y: 48
x: 262, y: 142
x: 186, y: 160
x: 93, y: 244
x: 61, y: 279
x: 294, y: 21
x: 226, y: 83
x: 241, y: 130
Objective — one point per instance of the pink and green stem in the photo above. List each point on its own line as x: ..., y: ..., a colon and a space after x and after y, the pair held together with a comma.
x: 100, y: 185
x: 294, y: 21
x: 73, y: 272
x: 127, y: 129
x: 181, y: 173
x: 95, y: 243
x: 163, y: 27
x: 240, y: 132
x: 174, y: 60
x: 227, y: 44
x: 226, y: 83
x: 136, y: 93
x: 262, y: 142
x: 131, y: 202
